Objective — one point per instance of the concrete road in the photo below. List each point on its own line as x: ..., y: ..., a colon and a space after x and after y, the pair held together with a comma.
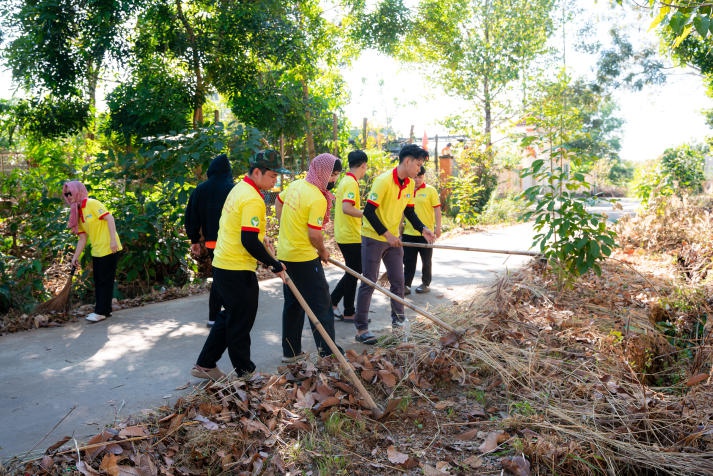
x: 75, y: 380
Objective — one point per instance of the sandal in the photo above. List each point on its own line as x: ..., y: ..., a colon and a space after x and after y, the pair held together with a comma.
x: 366, y: 338
x: 337, y: 315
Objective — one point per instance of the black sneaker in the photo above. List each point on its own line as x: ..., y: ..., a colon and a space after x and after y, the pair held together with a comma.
x: 423, y: 289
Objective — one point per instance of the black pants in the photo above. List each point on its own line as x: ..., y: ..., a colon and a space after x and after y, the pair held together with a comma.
x: 411, y: 258
x: 104, y: 274
x: 215, y: 304
x: 346, y: 287
x: 238, y: 291
x: 308, y: 277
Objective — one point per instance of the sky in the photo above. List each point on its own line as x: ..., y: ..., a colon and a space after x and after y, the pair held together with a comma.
x: 655, y: 118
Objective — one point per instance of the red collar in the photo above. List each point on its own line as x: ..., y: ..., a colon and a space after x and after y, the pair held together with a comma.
x: 251, y: 182
x: 423, y: 185
x: 396, y: 181
x: 349, y: 174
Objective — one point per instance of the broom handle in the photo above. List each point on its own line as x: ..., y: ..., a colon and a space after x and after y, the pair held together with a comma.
x: 335, y: 350
x: 393, y: 296
x: 465, y: 248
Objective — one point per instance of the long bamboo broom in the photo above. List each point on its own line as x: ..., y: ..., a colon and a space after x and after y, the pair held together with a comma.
x: 376, y: 411
x: 454, y: 334
x: 467, y: 248
x: 59, y: 303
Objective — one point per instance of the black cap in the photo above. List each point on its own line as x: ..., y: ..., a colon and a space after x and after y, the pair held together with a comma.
x: 268, y: 159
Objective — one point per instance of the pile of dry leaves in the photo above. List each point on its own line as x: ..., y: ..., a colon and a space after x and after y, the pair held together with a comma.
x: 610, y: 376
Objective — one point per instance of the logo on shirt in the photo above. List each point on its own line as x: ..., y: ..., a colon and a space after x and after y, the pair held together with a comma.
x: 254, y: 221
x: 408, y: 195
x: 350, y: 195
x: 373, y: 196
x: 319, y: 221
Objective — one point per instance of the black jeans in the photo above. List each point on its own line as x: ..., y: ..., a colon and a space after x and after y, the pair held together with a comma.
x: 215, y: 304
x: 309, y: 279
x: 411, y: 258
x: 239, y: 292
x: 346, y: 287
x: 104, y: 274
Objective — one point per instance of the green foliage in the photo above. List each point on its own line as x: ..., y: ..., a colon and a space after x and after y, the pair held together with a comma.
x: 683, y: 166
x: 572, y: 239
x: 502, y: 210
x: 50, y: 117
x: 157, y: 102
x: 678, y: 172
x: 471, y: 189
x: 478, y: 48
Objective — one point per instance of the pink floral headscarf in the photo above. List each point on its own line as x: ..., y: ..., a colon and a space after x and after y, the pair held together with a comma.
x: 79, y: 194
x: 319, y: 173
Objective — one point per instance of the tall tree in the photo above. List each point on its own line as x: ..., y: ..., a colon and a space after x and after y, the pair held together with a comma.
x: 60, y: 47
x: 479, y: 47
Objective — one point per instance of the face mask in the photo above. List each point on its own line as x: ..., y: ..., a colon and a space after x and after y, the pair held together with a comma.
x: 330, y: 185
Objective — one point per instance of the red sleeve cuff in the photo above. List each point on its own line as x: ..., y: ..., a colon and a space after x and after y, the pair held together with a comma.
x: 314, y: 227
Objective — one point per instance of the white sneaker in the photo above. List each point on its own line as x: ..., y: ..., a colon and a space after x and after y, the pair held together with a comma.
x: 93, y: 317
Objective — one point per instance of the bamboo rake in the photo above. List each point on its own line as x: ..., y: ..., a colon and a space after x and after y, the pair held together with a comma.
x: 378, y: 412
x: 465, y: 248
x: 396, y: 298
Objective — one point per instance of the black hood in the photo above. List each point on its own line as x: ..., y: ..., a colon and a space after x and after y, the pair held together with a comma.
x: 220, y: 166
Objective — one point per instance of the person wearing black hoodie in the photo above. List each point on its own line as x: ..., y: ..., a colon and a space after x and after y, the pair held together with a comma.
x: 203, y: 216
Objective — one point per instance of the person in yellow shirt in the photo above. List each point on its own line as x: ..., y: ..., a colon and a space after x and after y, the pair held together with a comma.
x: 303, y: 209
x: 92, y: 222
x: 347, y: 232
x: 390, y: 198
x: 428, y: 209
x: 241, y: 244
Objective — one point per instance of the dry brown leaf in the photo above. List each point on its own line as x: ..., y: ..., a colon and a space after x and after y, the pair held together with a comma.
x: 492, y: 441
x: 388, y: 378
x: 368, y: 375
x: 467, y: 435
x: 125, y: 470
x: 86, y: 470
x: 696, y: 379
x: 47, y: 463
x: 100, y: 438
x: 473, y: 461
x: 253, y: 426
x: 443, y: 404
x: 431, y: 471
x: 517, y: 465
x: 326, y: 403
x: 58, y: 444
x: 395, y: 456
x: 391, y: 405
x: 133, y: 431
x: 110, y: 465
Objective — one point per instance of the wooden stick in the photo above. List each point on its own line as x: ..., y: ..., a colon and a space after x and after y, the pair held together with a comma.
x: 396, y: 298
x: 465, y: 248
x: 378, y: 412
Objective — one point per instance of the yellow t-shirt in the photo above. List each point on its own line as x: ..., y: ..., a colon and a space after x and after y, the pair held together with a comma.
x: 97, y: 229
x: 426, y: 201
x: 303, y: 207
x: 347, y: 229
x: 390, y: 199
x: 244, y: 209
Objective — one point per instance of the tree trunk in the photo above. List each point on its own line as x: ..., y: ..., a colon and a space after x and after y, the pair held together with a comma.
x: 199, y: 93
x: 308, y: 120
